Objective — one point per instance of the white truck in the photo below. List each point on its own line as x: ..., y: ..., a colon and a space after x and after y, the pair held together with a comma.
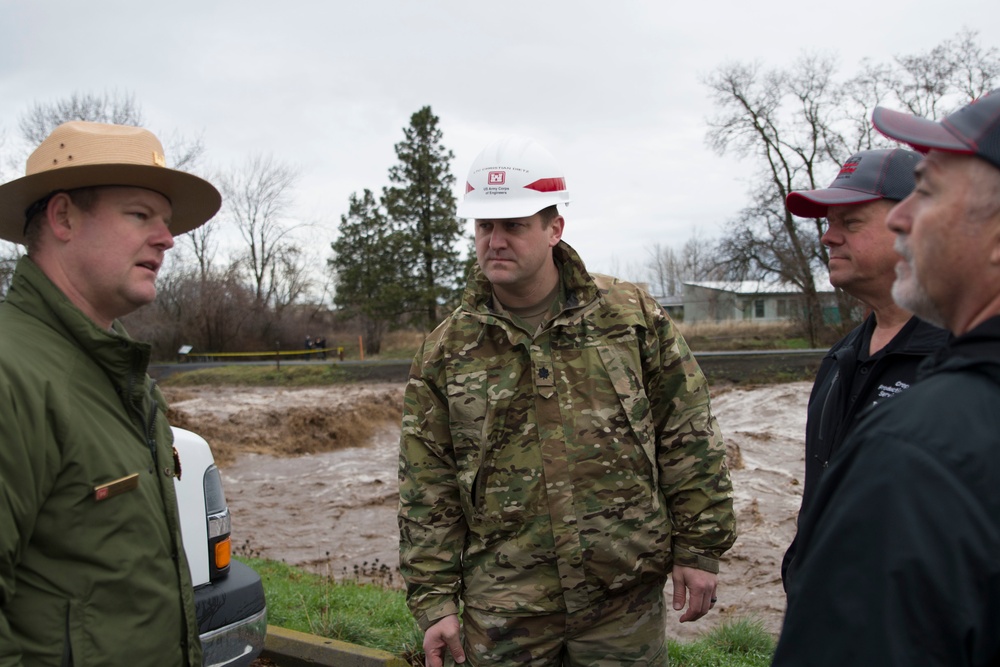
x: 228, y: 595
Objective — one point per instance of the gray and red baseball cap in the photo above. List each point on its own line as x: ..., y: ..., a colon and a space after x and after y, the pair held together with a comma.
x: 866, y: 176
x: 972, y: 130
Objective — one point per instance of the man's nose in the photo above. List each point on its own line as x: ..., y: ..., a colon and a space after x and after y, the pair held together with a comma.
x: 831, y: 237
x: 898, y: 219
x: 162, y: 237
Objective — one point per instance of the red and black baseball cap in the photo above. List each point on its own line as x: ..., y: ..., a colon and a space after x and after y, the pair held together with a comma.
x: 972, y: 130
x: 866, y: 176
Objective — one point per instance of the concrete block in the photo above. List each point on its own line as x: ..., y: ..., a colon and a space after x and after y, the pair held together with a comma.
x: 289, y: 648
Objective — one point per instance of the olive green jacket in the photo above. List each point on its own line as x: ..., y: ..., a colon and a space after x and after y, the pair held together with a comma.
x: 89, y: 574
x: 539, y: 473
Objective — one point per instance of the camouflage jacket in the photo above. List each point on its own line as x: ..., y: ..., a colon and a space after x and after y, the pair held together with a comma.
x: 539, y: 473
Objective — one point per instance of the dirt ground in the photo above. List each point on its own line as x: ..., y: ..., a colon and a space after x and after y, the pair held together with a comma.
x: 310, y: 477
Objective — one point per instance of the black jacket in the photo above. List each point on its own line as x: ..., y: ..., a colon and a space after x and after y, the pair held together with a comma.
x: 899, y: 555
x: 848, y: 381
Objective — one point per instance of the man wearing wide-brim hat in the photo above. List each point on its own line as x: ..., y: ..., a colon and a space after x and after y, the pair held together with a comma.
x: 92, y: 569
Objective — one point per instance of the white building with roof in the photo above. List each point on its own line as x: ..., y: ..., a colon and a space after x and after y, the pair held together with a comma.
x: 757, y: 300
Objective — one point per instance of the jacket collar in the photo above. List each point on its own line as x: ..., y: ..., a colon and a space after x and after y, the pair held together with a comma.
x: 917, y: 337
x: 978, y: 348
x: 577, y: 282
x: 119, y: 356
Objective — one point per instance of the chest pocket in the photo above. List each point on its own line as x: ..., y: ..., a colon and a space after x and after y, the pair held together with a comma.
x: 496, y: 451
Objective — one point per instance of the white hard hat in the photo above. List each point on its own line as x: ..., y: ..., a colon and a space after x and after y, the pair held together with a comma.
x: 513, y: 177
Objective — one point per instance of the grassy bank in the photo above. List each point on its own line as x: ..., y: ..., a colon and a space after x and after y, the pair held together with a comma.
x: 743, y: 336
x: 364, y: 614
x: 245, y: 375
x: 377, y: 617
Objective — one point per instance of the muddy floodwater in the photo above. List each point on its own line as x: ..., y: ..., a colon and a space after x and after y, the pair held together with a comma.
x: 329, y: 512
x: 327, y: 501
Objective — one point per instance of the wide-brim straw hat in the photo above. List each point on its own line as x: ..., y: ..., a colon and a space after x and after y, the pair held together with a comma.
x: 81, y: 154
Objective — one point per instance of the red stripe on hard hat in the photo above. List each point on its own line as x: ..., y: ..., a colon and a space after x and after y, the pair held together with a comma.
x: 547, y: 185
x: 468, y: 187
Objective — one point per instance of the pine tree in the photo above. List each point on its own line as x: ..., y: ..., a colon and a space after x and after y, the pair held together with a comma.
x: 369, y: 274
x: 422, y: 206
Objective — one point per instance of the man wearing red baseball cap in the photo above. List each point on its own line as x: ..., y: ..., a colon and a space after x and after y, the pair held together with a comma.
x: 879, y: 358
x: 897, y: 561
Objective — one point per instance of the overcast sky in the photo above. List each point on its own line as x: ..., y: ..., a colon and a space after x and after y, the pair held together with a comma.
x: 612, y: 89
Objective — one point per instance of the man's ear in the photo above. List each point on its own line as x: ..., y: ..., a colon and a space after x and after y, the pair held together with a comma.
x: 556, y: 228
x: 61, y: 216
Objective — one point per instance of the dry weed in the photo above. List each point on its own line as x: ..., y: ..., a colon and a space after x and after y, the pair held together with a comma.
x: 739, y: 329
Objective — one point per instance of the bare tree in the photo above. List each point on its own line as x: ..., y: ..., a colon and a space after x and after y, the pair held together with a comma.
x: 700, y: 259
x: 664, y: 270
x: 184, y: 152
x: 951, y: 74
x: 781, y: 118
x: 212, y: 313
x: 116, y: 108
x: 668, y: 269
x: 43, y: 117
x: 290, y: 279
x: 930, y: 84
x: 256, y: 198
x: 202, y: 243
x: 800, y: 123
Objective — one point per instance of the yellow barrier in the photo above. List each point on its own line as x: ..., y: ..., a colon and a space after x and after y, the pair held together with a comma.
x: 333, y: 351
x: 283, y: 353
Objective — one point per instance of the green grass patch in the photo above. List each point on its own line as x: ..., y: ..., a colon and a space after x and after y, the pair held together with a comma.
x: 363, y: 614
x: 246, y: 375
x: 376, y: 617
x: 739, y: 643
x: 796, y: 344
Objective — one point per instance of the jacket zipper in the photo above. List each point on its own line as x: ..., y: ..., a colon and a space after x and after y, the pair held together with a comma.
x: 151, y: 425
x: 148, y: 424
x: 826, y: 403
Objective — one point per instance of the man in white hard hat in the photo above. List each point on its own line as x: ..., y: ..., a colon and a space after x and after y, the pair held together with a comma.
x: 879, y: 358
x: 897, y: 560
x: 92, y: 568
x: 559, y: 458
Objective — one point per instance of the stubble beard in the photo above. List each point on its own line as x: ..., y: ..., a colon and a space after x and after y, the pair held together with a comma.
x: 499, y: 273
x: 908, y: 293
